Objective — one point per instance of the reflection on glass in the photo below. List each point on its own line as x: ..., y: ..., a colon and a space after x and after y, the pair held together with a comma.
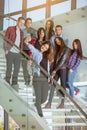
x: 12, y: 6
x: 81, y: 3
x: 32, y: 3
x: 10, y: 22
x: 60, y: 8
x: 37, y: 14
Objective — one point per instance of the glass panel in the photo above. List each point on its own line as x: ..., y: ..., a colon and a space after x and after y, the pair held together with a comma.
x: 60, y: 8
x: 10, y: 22
x: 33, y: 14
x: 1, y: 118
x: 32, y: 3
x: 12, y: 6
x: 81, y: 3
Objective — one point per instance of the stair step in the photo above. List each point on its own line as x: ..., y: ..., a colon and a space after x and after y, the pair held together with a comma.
x: 61, y: 110
x: 67, y: 124
x: 63, y: 117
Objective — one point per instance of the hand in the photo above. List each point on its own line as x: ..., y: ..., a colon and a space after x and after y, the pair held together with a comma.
x: 30, y: 62
x: 53, y: 73
x: 27, y: 40
x: 51, y: 82
x: 70, y: 71
x: 6, y: 52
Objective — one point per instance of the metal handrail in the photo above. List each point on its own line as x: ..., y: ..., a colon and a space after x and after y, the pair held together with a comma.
x: 46, y: 74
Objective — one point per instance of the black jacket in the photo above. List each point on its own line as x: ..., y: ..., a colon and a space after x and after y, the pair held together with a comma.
x: 62, y: 60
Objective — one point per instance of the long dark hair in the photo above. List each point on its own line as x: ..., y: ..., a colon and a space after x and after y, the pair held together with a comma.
x: 51, y: 31
x: 59, y: 48
x: 39, y: 32
x: 48, y: 54
x: 79, y: 48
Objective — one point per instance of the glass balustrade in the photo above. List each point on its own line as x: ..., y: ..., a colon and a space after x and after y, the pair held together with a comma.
x: 20, y: 105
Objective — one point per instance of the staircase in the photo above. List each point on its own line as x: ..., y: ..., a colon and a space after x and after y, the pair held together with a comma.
x: 23, y: 114
x: 20, y: 106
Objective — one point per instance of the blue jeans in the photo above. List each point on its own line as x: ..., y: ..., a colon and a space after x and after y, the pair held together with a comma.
x: 71, y: 77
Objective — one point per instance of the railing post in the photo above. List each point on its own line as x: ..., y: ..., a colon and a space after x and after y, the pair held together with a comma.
x: 6, y: 121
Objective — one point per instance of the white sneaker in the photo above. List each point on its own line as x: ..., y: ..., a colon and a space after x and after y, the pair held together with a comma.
x: 44, y: 119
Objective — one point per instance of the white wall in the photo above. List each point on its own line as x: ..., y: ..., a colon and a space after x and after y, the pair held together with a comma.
x: 79, y: 30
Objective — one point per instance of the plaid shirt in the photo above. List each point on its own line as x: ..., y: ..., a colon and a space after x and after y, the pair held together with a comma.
x: 11, y: 35
x: 74, y: 61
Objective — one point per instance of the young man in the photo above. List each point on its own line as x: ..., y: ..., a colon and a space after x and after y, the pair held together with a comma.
x: 14, y: 34
x: 28, y: 30
x: 59, y: 33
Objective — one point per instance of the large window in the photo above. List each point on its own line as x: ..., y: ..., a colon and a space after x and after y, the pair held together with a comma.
x: 39, y: 13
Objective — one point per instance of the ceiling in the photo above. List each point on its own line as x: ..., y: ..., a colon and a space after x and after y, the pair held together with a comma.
x: 71, y: 17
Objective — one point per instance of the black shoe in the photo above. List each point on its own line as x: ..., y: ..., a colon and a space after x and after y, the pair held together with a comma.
x: 41, y: 115
x: 27, y: 83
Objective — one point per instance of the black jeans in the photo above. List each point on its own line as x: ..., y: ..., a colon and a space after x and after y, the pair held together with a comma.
x: 41, y: 90
x: 62, y: 74
x: 12, y: 60
x: 25, y: 70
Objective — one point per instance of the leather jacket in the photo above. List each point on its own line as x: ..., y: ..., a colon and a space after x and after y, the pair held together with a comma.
x: 62, y: 60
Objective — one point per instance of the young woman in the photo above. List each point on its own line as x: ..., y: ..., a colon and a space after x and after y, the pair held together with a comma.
x: 40, y: 81
x: 62, y: 53
x: 73, y: 63
x: 49, y: 29
x: 41, y: 37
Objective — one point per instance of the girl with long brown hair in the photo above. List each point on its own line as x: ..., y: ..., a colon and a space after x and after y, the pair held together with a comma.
x: 73, y: 64
x: 49, y: 29
x: 62, y: 53
x: 40, y: 81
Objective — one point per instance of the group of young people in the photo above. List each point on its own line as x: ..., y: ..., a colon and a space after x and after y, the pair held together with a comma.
x: 49, y: 48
